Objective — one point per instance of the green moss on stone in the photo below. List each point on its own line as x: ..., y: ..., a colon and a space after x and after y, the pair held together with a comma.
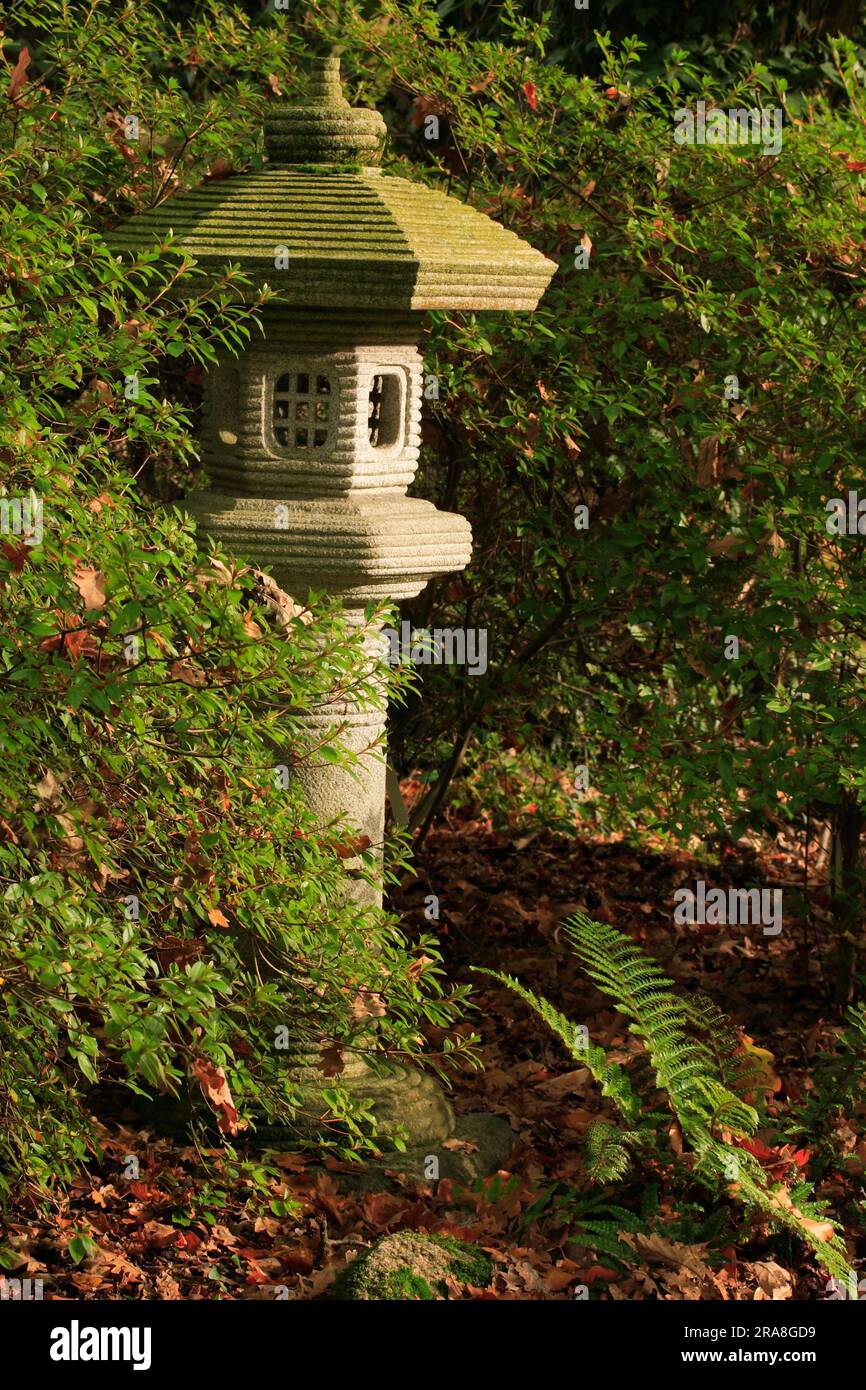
x: 349, y: 167
x: 403, y: 1285
x: 470, y: 1266
x: 410, y: 1266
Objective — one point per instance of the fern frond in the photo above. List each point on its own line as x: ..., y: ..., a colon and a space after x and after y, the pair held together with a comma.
x: 740, y: 1073
x: 696, y: 1074
x: 607, y: 1151
x: 600, y: 1232
x: 685, y: 1067
x: 694, y: 1082
x: 748, y: 1183
x: 609, y: 1075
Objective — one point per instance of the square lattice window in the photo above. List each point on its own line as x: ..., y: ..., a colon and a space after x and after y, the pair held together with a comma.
x: 302, y: 410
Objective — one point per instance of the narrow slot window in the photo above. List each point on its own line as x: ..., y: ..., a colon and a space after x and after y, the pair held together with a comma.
x: 385, y: 410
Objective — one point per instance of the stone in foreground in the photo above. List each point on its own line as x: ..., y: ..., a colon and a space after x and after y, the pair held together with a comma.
x: 410, y: 1266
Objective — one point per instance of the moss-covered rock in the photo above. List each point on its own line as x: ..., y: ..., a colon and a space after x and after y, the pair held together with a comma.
x: 411, y: 1266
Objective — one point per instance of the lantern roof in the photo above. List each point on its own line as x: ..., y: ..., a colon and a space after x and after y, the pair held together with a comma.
x: 356, y: 237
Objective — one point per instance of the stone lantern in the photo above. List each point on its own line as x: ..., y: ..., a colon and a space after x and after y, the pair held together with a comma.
x: 312, y: 435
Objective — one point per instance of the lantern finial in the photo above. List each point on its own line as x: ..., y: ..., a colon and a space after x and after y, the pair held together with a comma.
x: 323, y: 128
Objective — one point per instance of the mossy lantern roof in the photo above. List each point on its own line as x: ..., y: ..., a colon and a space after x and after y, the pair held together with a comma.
x: 356, y: 236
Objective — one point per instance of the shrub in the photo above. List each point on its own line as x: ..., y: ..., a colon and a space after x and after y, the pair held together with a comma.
x: 173, y: 919
x: 693, y: 635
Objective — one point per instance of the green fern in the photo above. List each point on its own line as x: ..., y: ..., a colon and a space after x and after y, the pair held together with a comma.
x: 597, y: 1224
x: 610, y: 1076
x: 685, y: 1067
x: 740, y: 1072
x: 607, y: 1151
x: 751, y: 1187
x: 687, y: 1072
x: 701, y: 1076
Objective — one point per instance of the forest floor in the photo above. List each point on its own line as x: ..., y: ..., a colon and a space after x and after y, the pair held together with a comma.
x: 190, y: 1226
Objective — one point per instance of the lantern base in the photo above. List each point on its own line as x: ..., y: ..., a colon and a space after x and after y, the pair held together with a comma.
x: 412, y: 1103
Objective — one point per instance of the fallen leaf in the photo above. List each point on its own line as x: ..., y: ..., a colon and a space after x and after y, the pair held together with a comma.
x: 19, y: 74
x: 352, y: 847
x: 296, y: 1258
x: 167, y: 1287
x: 368, y: 1005
x: 190, y: 675
x: 48, y: 788
x: 17, y: 555
x: 380, y: 1208
x: 331, y: 1060
x: 89, y: 582
x: 777, y: 1283
x: 156, y: 1235
x: 216, y: 1091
